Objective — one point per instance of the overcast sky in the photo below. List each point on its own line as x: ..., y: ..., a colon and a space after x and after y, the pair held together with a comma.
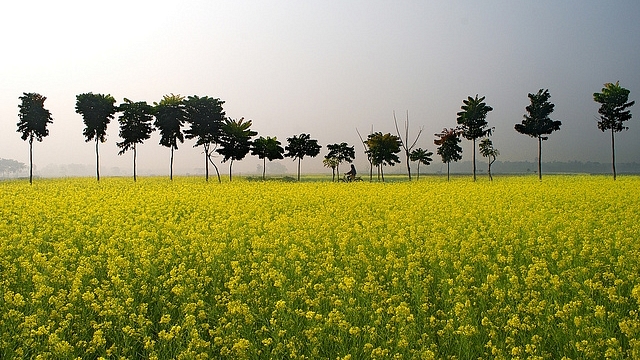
x: 323, y: 68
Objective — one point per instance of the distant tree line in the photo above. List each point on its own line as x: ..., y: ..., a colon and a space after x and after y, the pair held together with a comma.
x: 204, y: 120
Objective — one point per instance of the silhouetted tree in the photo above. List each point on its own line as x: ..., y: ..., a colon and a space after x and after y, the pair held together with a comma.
x: 97, y: 111
x: 404, y: 142
x: 205, y: 116
x: 235, y: 140
x: 368, y: 153
x: 33, y: 122
x: 613, y: 113
x: 383, y: 149
x: 422, y: 157
x: 473, y: 123
x: 342, y: 153
x: 267, y: 148
x: 135, y: 126
x: 300, y: 146
x: 449, y: 146
x: 537, y: 122
x: 170, y: 115
x: 487, y: 150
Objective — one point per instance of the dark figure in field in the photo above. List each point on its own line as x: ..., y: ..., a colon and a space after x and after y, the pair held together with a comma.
x: 351, y: 173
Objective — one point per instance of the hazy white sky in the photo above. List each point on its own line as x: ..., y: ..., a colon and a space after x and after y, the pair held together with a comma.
x: 323, y: 68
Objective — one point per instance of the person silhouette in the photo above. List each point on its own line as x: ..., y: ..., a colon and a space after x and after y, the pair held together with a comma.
x: 352, y: 173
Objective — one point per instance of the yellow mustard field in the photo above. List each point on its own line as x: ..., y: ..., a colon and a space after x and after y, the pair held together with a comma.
x: 510, y: 269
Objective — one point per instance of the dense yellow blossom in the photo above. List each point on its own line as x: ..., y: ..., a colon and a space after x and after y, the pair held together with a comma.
x: 514, y: 268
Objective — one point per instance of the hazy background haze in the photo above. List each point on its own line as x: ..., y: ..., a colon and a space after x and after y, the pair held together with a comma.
x: 320, y: 67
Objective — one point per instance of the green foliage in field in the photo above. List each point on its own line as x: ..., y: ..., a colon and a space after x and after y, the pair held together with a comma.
x: 513, y: 268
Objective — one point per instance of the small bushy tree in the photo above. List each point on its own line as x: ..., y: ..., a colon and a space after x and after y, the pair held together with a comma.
x: 34, y: 119
x: 300, y: 146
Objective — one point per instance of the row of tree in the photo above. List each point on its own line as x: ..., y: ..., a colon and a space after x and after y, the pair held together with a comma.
x: 472, y: 125
x: 233, y: 138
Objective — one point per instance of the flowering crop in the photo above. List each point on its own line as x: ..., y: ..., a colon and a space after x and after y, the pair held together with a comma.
x: 513, y: 268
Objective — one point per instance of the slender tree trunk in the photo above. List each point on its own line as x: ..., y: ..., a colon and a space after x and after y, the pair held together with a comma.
x: 206, y: 162
x: 474, y: 159
x: 382, y: 172
x: 539, y: 158
x: 370, y: 171
x: 299, y: 169
x: 333, y: 174
x: 613, y: 154
x: 230, y: 165
x: 418, y: 177
x: 171, y: 166
x: 406, y: 152
x: 134, y: 162
x: 97, y: 161
x: 217, y: 171
x: 31, y: 160
x: 264, y: 168
x: 447, y: 171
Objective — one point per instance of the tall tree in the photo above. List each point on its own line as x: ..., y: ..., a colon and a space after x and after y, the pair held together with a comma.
x: 473, y: 123
x: 170, y: 115
x: 449, y: 146
x: 342, y: 153
x: 404, y: 142
x: 613, y: 113
x: 97, y: 111
x: 267, y: 148
x: 536, y: 122
x: 235, y: 140
x: 487, y: 150
x: 205, y: 116
x: 383, y: 149
x: 33, y: 122
x: 300, y: 146
x: 135, y: 126
x: 422, y: 157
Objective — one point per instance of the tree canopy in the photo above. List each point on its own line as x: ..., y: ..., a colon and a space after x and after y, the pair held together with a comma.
x: 135, y: 126
x: 267, y: 148
x: 235, y: 140
x: 342, y: 152
x: 170, y: 115
x: 97, y: 111
x: 205, y: 117
x: 300, y: 146
x: 449, y: 149
x: 33, y: 122
x: 421, y: 156
x: 614, y: 111
x: 537, y: 123
x: 383, y: 149
x: 473, y: 123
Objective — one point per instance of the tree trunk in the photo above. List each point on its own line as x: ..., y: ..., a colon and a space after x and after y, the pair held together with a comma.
x: 299, y: 168
x: 474, y: 159
x: 134, y: 162
x: 489, y: 171
x: 264, y: 168
x: 370, y: 171
x: 382, y: 172
x: 406, y: 151
x: 539, y: 158
x: 97, y: 161
x: 206, y: 162
x: 418, y: 177
x: 613, y: 154
x: 230, y: 165
x: 171, y: 166
x: 31, y: 160
x: 447, y: 171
